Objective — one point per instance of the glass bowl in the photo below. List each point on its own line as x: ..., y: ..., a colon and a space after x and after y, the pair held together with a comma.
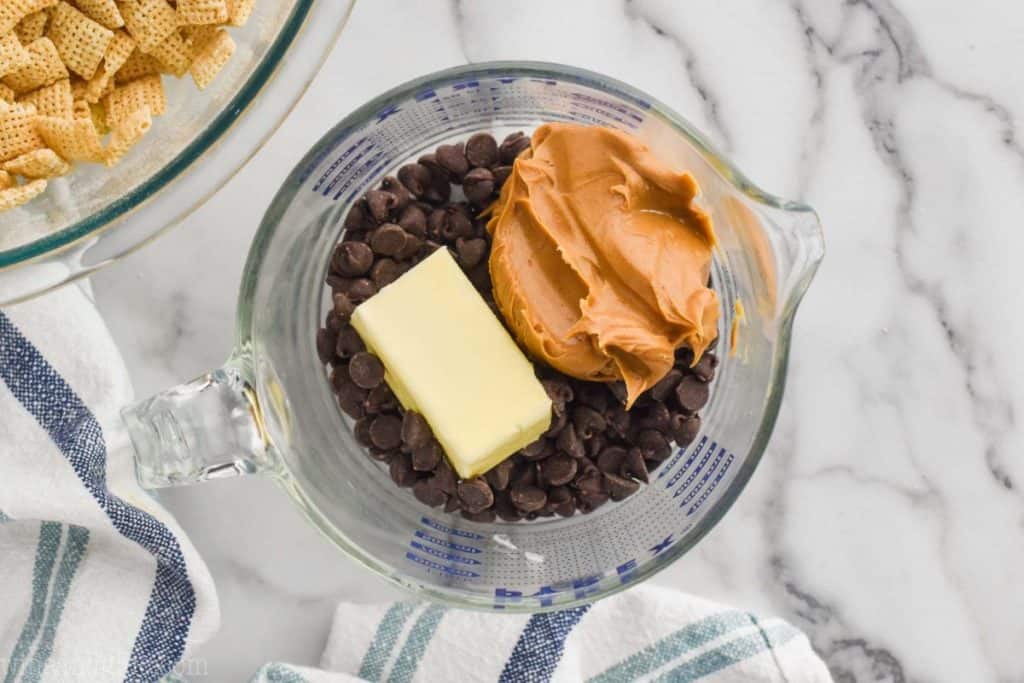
x: 270, y: 409
x: 95, y: 215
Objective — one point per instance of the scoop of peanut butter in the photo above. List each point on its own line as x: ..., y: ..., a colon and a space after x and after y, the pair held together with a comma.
x: 600, y: 259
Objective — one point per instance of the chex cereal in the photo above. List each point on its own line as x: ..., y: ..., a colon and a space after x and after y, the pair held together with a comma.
x: 81, y: 80
x: 13, y: 11
x: 103, y: 11
x: 44, y: 67
x: 32, y: 27
x: 149, y: 21
x: 211, y: 58
x: 18, y: 133
x: 39, y: 163
x: 51, y: 100
x: 13, y: 54
x: 80, y: 41
x: 203, y: 11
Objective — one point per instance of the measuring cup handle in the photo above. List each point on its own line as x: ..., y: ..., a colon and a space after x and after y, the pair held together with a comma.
x: 206, y: 429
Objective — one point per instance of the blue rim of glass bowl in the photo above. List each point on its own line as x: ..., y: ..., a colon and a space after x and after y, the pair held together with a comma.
x: 118, y: 208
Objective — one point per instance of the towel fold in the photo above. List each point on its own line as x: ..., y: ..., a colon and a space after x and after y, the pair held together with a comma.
x: 98, y: 582
x: 644, y: 634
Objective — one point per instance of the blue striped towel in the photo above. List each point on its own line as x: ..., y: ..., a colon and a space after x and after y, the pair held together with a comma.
x: 97, y: 583
x: 644, y: 634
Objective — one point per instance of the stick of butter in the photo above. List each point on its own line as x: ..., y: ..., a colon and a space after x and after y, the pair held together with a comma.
x: 450, y: 359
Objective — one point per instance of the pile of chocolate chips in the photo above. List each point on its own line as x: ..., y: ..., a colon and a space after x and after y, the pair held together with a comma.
x: 594, y: 451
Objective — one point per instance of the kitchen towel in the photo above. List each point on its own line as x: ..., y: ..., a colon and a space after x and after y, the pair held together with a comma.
x: 97, y: 582
x: 644, y: 634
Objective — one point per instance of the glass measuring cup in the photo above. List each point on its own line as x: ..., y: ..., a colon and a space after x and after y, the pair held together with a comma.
x: 270, y: 410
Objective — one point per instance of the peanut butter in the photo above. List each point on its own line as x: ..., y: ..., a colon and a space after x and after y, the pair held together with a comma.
x: 599, y: 258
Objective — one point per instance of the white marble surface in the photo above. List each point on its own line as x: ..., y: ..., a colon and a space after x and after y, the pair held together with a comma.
x: 887, y: 519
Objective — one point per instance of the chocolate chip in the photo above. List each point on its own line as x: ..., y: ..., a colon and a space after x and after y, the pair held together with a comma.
x: 634, y: 466
x: 653, y: 444
x: 381, y: 400
x: 385, y: 271
x: 475, y: 495
x: 415, y: 430
x: 620, y: 487
x: 358, y: 217
x: 414, y: 221
x: 453, y: 159
x: 525, y: 474
x: 325, y: 343
x: 444, y: 475
x: 412, y: 247
x: 429, y: 493
x: 351, y: 398
x: 362, y: 432
x: 560, y: 392
x: 402, y: 195
x: 588, y: 421
x: 589, y: 481
x: 483, y: 517
x: 348, y: 342
x: 388, y: 240
x: 416, y: 178
x: 594, y: 445
x: 538, y: 450
x: 611, y: 459
x: 361, y: 289
x: 352, y: 259
x: 692, y: 394
x: 366, y: 370
x: 569, y: 443
x: 470, y: 251
x: 501, y: 174
x: 381, y: 203
x: 618, y: 390
x: 401, y: 471
x: 500, y: 475
x: 666, y: 385
x: 478, y: 185
x: 426, y: 457
x: 704, y: 370
x: 588, y: 502
x: 436, y: 222
x: 684, y: 428
x: 505, y: 509
x: 457, y: 223
x: 343, y: 307
x: 561, y: 501
x: 482, y: 150
x: 440, y: 189
x: 382, y: 456
x: 512, y: 146
x: 480, y: 277
x: 558, y: 470
x: 619, y: 420
x: 655, y: 416
x: 334, y: 322
x: 386, y: 432
x: 528, y: 498
x: 684, y: 357
x: 593, y: 395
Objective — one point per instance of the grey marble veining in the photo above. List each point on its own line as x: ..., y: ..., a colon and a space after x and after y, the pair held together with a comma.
x: 887, y: 518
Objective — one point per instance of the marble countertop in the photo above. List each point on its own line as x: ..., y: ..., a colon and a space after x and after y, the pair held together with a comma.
x: 887, y: 518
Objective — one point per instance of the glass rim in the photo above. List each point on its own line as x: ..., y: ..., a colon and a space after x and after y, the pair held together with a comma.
x: 112, y: 214
x: 609, y: 585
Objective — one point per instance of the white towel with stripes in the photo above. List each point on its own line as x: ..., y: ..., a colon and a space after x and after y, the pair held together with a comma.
x: 644, y: 634
x: 97, y: 582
